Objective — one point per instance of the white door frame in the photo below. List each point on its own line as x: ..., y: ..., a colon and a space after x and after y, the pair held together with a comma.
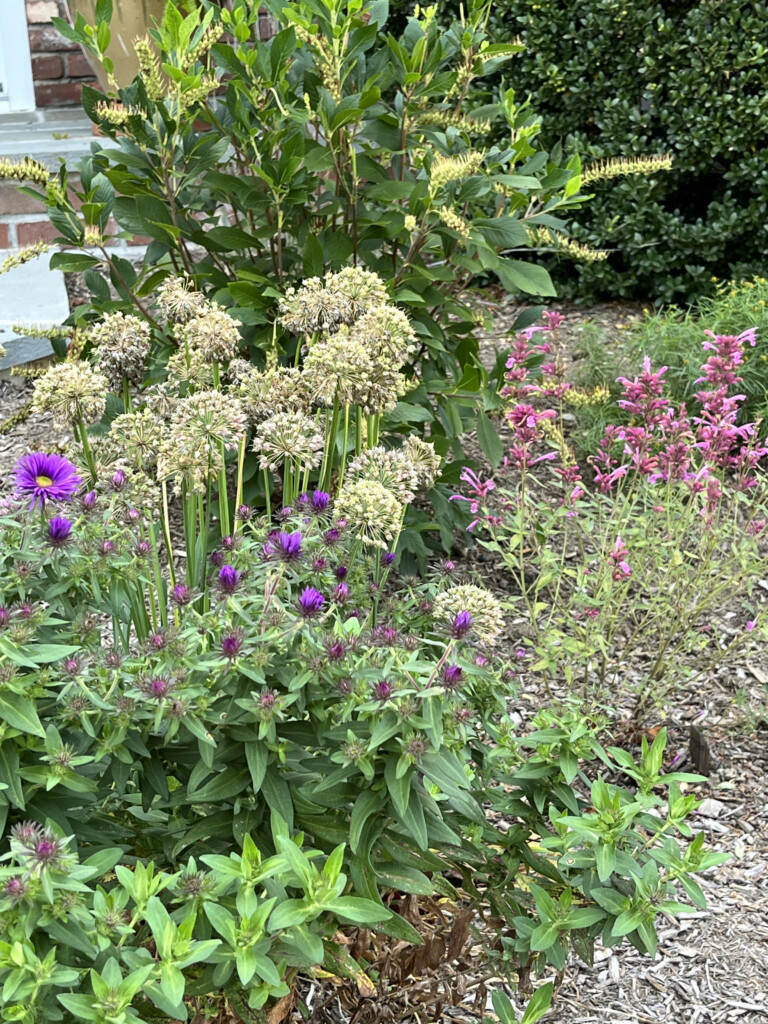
x: 17, y: 91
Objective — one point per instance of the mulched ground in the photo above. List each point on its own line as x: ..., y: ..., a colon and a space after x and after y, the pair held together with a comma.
x: 712, y: 964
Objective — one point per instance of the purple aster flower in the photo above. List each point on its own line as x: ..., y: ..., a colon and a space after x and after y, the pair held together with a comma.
x: 26, y: 832
x: 318, y: 564
x: 388, y: 558
x: 118, y: 480
x: 142, y: 549
x: 46, y: 478
x: 320, y: 501
x: 72, y: 666
x: 336, y: 651
x: 340, y: 572
x: 229, y: 543
x: 89, y: 500
x: 331, y: 536
x: 181, y: 594
x: 311, y: 602
x: 382, y: 690
x: 159, y: 688
x: 229, y: 578
x: 231, y: 643
x: 132, y: 515
x: 452, y: 676
x: 287, y: 546
x: 461, y: 625
x: 217, y: 558
x: 449, y: 567
x: 26, y: 611
x: 285, y: 513
x: 5, y: 616
x: 106, y: 548
x: 244, y: 512
x: 15, y: 889
x: 341, y: 593
x: 48, y: 851
x: 59, y: 530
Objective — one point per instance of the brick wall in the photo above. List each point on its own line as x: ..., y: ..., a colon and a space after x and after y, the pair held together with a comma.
x: 58, y: 65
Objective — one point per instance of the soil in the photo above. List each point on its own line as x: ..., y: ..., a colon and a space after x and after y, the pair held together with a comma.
x: 711, y: 965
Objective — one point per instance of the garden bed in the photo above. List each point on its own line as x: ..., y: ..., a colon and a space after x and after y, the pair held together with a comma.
x: 710, y: 965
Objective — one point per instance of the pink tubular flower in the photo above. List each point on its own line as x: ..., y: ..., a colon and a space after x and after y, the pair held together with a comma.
x: 618, y: 555
x: 478, y: 489
x: 553, y: 320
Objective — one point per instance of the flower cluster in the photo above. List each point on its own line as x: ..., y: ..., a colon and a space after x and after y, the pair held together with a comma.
x: 123, y: 344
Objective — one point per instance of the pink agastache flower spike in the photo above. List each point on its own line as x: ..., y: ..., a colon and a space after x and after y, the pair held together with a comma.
x: 618, y: 555
x: 642, y: 397
x: 553, y: 320
x: 478, y: 490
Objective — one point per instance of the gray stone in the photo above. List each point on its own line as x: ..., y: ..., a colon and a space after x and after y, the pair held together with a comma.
x: 31, y: 294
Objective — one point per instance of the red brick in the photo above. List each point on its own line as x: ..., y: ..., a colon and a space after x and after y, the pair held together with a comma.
x: 47, y: 67
x: 4, y: 243
x: 29, y: 232
x: 64, y: 94
x: 13, y: 201
x: 78, y: 66
x: 45, y: 38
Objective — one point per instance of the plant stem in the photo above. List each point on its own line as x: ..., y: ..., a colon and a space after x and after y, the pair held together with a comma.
x: 240, y: 469
x: 87, y: 450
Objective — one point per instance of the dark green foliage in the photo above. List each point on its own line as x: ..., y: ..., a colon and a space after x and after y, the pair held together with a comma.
x: 616, y: 79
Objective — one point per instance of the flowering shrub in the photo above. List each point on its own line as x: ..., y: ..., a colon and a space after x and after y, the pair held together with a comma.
x: 253, y: 165
x: 217, y: 762
x: 638, y: 565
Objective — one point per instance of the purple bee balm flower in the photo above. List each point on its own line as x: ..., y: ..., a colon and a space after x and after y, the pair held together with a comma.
x: 340, y: 572
x: 311, y: 602
x: 319, y: 564
x: 229, y: 543
x: 341, y: 593
x: 229, y: 578
x: 181, y: 594
x: 217, y: 558
x: 142, y: 549
x: 59, y: 530
x: 288, y: 546
x: 89, y: 500
x: 46, y: 478
x: 388, y: 558
x: 244, y: 512
x: 331, y: 536
x: 159, y: 688
x: 462, y: 624
x: 118, y: 480
x: 320, y: 501
x: 106, y: 548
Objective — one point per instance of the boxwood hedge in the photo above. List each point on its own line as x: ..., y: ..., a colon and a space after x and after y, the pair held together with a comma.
x: 620, y: 79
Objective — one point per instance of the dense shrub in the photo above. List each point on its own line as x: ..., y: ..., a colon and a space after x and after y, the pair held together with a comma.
x: 253, y: 165
x: 620, y: 80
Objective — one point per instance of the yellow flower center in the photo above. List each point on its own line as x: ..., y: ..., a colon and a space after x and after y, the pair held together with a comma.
x: 43, y: 481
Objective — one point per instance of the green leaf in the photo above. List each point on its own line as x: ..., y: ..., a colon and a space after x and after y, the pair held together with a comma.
x: 368, y: 803
x: 359, y: 911
x: 20, y: 713
x: 73, y: 262
x: 489, y: 439
x: 538, y: 1004
x: 530, y: 278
